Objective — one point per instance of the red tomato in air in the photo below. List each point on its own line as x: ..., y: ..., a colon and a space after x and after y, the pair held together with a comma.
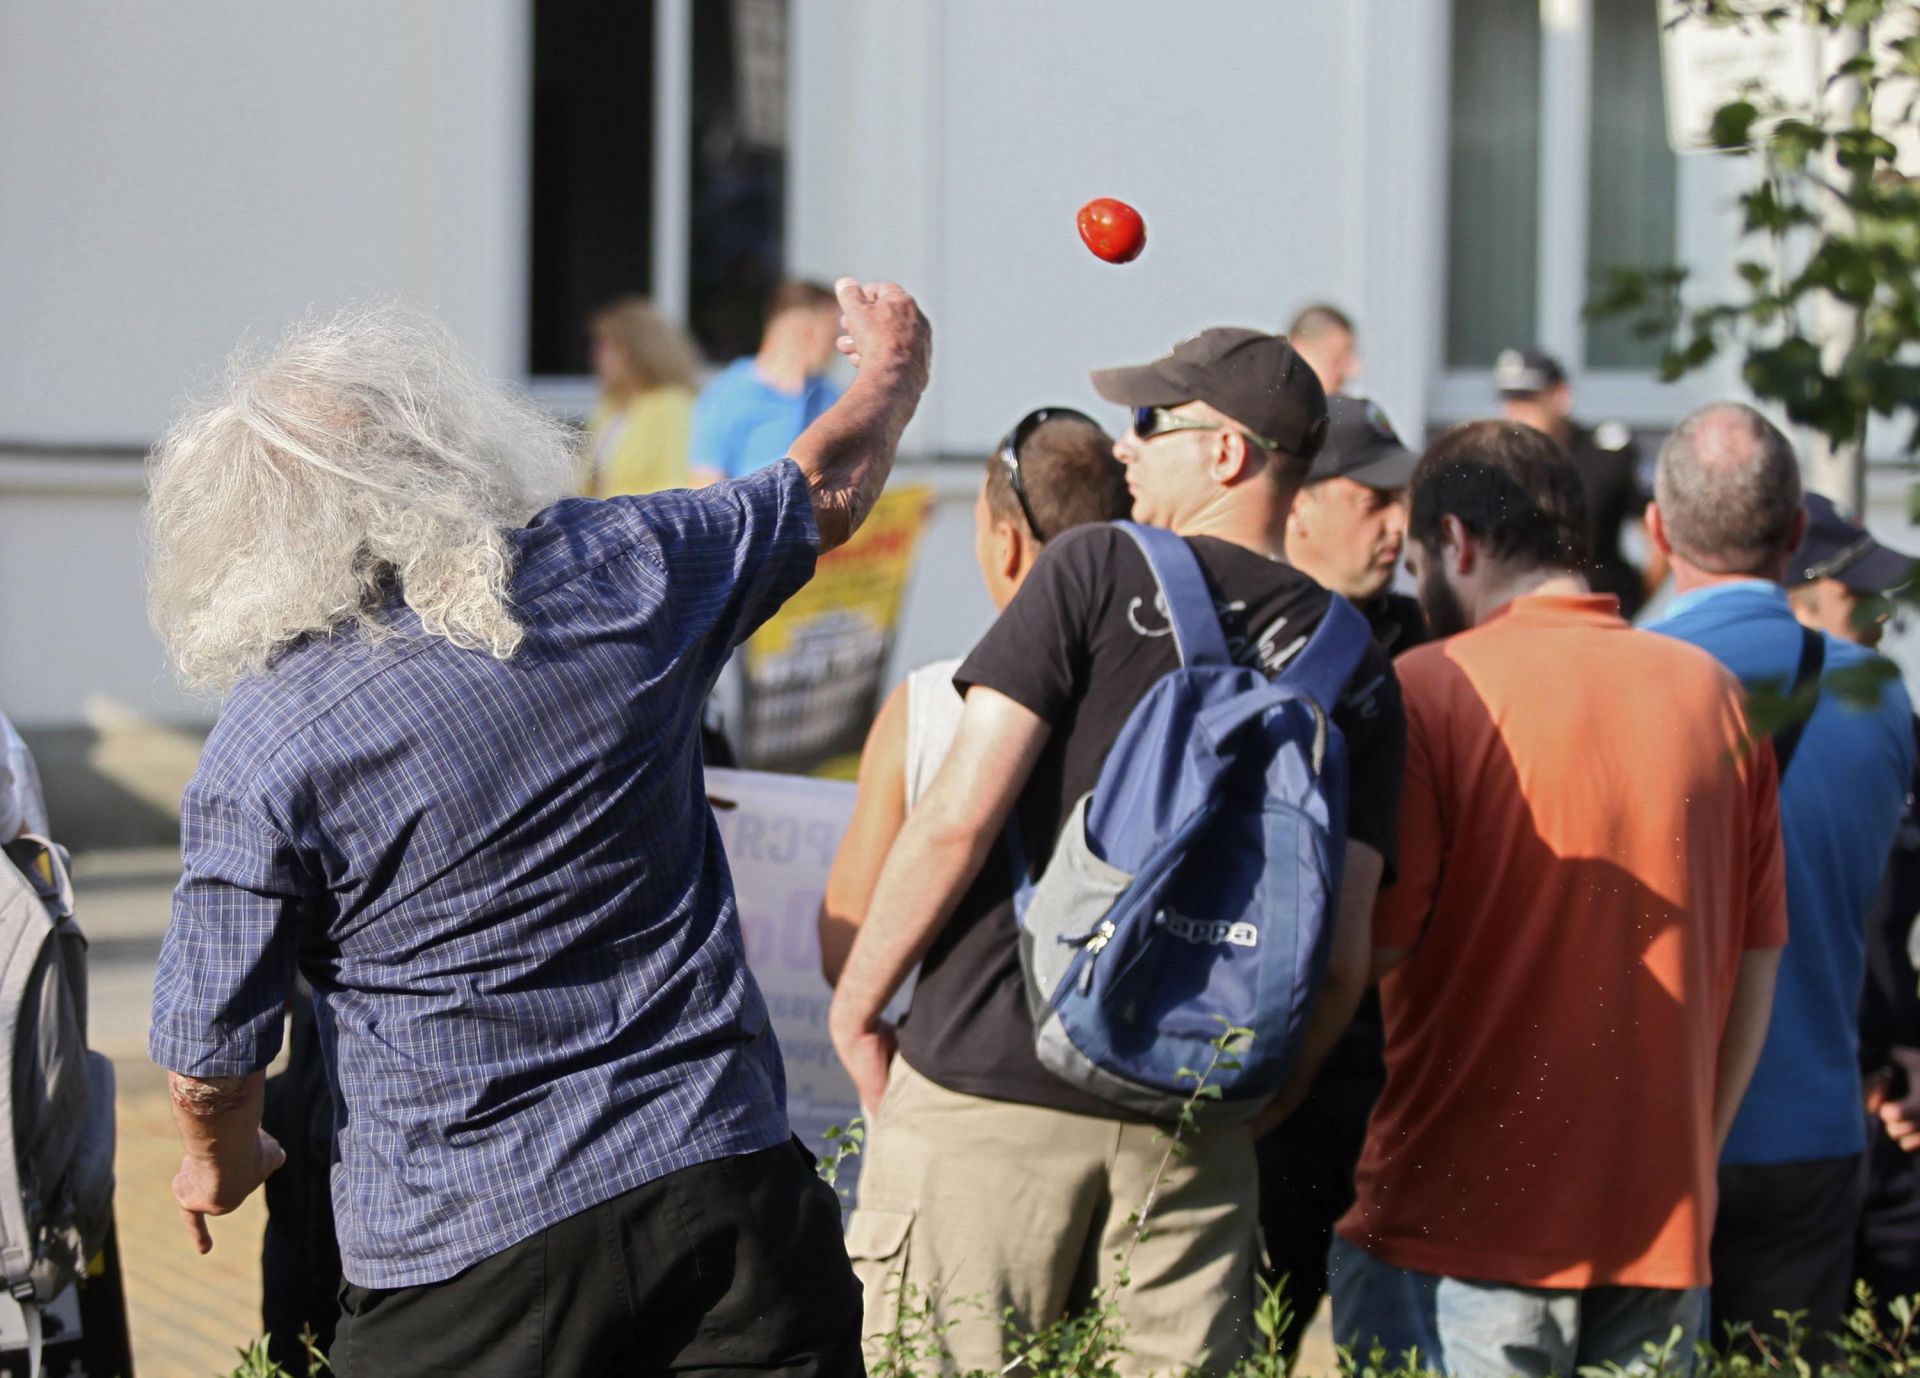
x: 1112, y: 229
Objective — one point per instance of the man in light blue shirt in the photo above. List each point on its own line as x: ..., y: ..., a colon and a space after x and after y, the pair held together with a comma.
x: 1727, y: 511
x: 757, y: 406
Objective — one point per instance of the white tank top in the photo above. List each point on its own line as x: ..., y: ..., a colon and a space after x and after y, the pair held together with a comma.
x: 933, y: 716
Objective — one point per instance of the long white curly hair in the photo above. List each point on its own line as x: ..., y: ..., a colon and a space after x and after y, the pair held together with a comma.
x: 363, y: 452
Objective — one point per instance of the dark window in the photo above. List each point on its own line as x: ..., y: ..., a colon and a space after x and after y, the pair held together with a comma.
x: 1493, y: 176
x: 593, y: 84
x: 1632, y: 174
x: 739, y: 171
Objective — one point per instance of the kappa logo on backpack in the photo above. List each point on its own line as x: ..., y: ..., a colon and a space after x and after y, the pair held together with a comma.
x: 1196, y: 886
x: 56, y: 1166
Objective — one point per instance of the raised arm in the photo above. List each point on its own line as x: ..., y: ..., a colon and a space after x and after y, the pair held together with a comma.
x: 847, y: 454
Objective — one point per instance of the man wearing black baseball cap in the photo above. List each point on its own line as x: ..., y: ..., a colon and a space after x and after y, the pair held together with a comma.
x: 1840, y: 576
x: 1349, y: 521
x: 1839, y: 581
x: 1534, y: 391
x: 1029, y: 1181
x: 1345, y: 530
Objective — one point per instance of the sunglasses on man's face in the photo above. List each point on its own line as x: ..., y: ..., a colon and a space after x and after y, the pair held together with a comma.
x: 1149, y: 422
x: 1009, y: 455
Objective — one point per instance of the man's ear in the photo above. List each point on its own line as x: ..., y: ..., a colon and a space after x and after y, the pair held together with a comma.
x: 1233, y: 457
x: 1300, y: 514
x: 1657, y: 530
x: 1459, y: 551
x: 1009, y: 545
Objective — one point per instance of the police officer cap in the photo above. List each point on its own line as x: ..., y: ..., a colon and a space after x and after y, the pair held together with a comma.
x: 1524, y: 372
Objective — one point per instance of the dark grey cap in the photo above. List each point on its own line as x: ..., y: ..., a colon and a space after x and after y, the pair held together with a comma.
x: 1836, y: 548
x: 1363, y: 446
x: 1253, y: 377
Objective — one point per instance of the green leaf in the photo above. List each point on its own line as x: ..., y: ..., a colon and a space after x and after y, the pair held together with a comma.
x: 1732, y: 125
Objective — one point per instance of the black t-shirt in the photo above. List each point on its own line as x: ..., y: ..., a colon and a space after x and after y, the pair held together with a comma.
x: 1397, y: 622
x: 1890, y: 1002
x: 1080, y: 645
x: 1398, y: 626
x: 1609, y: 465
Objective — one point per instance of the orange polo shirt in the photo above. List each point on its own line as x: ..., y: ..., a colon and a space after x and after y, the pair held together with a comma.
x: 1585, y: 853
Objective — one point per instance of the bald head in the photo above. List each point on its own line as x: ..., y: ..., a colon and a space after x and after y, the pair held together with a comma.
x: 1324, y: 337
x: 1729, y: 492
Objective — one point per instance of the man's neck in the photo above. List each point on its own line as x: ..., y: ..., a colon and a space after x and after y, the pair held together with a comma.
x: 1527, y: 583
x: 1251, y: 520
x: 1691, y: 578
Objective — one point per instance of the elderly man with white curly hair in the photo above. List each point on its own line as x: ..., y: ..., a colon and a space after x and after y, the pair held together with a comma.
x: 456, y: 783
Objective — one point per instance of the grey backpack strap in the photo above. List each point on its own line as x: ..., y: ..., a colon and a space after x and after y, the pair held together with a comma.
x: 25, y: 927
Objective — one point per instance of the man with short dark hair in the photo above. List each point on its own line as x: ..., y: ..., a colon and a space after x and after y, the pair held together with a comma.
x: 755, y: 407
x: 1535, y: 392
x: 1578, y: 953
x: 1728, y: 514
x: 991, y: 1178
x: 1324, y: 336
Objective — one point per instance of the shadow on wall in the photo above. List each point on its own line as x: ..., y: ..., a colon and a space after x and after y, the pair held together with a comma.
x: 114, y: 784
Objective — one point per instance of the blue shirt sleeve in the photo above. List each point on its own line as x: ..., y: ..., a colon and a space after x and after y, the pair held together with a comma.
x: 227, y: 962
x: 731, y: 554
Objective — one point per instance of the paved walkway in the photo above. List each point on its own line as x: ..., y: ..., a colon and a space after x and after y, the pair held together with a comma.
x: 189, y: 1314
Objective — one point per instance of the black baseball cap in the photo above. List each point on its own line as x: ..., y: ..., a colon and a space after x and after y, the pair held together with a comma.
x: 1253, y: 377
x: 1524, y: 372
x: 1836, y: 548
x: 1363, y: 446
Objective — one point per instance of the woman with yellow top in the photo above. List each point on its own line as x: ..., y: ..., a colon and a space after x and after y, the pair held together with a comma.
x: 637, y: 439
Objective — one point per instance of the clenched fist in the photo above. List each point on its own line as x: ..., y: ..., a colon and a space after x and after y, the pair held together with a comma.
x: 885, y: 329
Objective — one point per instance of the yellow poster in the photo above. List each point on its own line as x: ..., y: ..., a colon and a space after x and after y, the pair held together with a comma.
x: 814, y: 671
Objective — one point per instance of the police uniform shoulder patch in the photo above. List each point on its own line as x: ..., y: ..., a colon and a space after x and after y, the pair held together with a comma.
x: 1612, y: 435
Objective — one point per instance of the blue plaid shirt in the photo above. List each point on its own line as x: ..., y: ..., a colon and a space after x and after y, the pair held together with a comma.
x: 504, y: 882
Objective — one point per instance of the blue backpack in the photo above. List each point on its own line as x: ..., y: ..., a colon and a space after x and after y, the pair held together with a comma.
x: 1195, y: 888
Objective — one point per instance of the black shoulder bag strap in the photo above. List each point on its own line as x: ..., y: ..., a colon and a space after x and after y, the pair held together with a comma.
x: 1813, y: 659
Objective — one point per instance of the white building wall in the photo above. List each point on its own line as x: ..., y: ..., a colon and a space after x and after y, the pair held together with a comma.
x: 951, y: 145
x: 175, y: 178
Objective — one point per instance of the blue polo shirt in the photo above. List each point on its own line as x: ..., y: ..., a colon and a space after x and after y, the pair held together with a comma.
x: 742, y: 422
x: 1839, y: 805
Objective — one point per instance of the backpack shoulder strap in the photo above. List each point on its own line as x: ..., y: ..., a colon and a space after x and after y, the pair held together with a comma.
x: 1331, y: 654
x: 1196, y: 627
x: 25, y: 926
x: 1813, y: 659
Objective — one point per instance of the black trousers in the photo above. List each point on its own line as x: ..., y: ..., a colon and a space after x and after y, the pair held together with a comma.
x: 1783, y: 1241
x: 1306, y: 1184
x: 1887, y: 1250
x: 728, y: 1267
